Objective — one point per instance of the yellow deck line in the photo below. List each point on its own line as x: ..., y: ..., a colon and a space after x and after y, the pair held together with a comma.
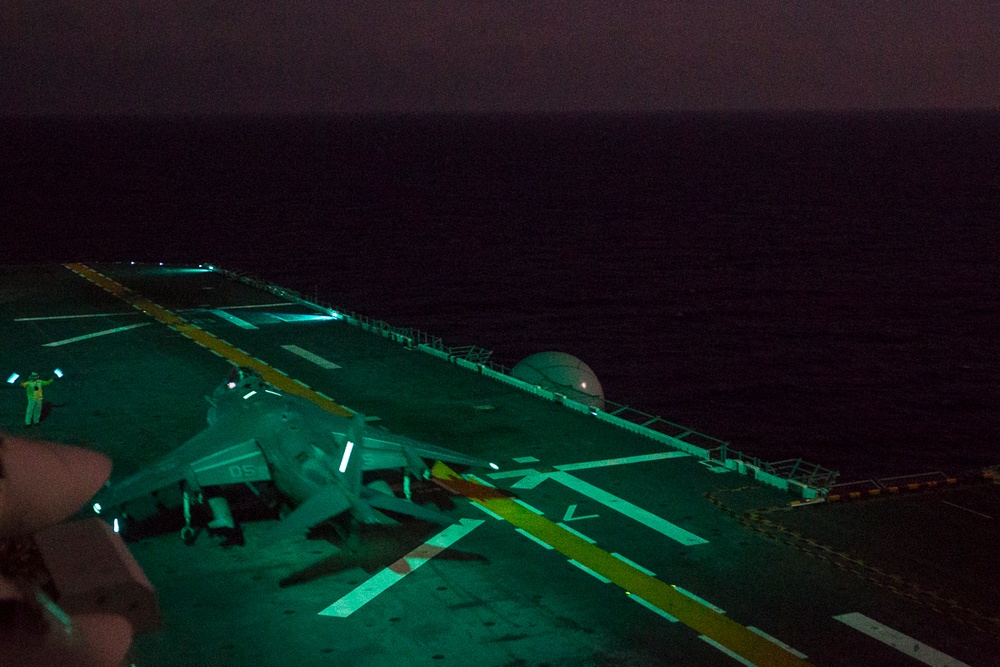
x: 210, y: 341
x: 716, y: 626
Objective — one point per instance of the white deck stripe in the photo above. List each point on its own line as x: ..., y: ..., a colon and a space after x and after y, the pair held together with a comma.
x: 95, y: 334
x: 899, y: 641
x: 367, y: 591
x: 628, y: 509
x: 576, y: 532
x: 652, y: 607
x: 622, y: 461
x: 229, y: 317
x: 797, y: 654
x: 480, y: 480
x: 530, y: 481
x: 75, y: 317
x: 533, y: 478
x: 527, y: 506
x: 698, y: 599
x: 315, y: 358
x: 985, y: 516
x: 257, y: 305
x: 735, y: 656
x: 599, y: 577
x: 633, y: 563
x: 534, y: 539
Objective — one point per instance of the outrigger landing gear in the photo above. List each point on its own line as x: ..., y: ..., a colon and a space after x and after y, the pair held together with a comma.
x: 189, y: 534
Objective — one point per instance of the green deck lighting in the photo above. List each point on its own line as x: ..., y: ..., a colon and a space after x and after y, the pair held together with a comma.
x: 13, y: 378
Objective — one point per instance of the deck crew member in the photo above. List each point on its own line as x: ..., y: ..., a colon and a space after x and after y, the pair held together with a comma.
x: 33, y: 385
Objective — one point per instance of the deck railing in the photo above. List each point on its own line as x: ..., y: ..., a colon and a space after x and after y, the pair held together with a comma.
x: 812, y: 479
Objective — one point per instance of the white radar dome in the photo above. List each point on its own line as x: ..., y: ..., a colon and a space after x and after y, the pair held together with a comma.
x: 562, y: 373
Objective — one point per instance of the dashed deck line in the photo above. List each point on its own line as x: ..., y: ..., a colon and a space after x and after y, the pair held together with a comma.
x: 704, y: 620
x: 208, y: 340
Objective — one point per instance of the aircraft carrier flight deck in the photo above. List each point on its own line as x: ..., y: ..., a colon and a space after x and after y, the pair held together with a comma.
x: 599, y: 541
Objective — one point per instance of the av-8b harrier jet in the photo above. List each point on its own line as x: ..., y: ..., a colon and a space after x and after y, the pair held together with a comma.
x: 313, y: 457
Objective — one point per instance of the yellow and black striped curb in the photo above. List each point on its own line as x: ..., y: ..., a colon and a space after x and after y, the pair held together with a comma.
x: 932, y: 485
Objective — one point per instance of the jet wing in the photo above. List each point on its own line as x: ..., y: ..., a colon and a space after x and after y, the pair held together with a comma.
x: 384, y: 501
x: 331, y: 500
x: 387, y: 450
x: 325, y: 504
x: 221, y: 454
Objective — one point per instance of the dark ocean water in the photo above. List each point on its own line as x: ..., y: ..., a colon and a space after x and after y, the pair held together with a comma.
x: 812, y: 285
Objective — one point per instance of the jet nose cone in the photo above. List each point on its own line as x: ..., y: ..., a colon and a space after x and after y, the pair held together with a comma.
x: 42, y: 483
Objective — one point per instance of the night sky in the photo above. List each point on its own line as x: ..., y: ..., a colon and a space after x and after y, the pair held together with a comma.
x: 396, y: 56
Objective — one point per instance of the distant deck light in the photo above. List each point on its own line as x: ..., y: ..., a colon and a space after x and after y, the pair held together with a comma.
x: 495, y: 466
x: 249, y: 394
x: 116, y: 525
x: 347, y: 456
x: 231, y: 385
x: 13, y: 377
x: 132, y: 263
x: 161, y: 263
x: 97, y: 508
x: 58, y: 373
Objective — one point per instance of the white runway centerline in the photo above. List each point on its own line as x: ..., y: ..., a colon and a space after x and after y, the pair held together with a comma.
x: 899, y: 641
x: 315, y: 358
x: 367, y: 591
x: 94, y: 335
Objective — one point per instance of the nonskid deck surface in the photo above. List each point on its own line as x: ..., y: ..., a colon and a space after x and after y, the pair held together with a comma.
x: 617, y: 514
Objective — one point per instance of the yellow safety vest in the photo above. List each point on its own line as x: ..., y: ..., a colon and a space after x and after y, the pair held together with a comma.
x: 34, y: 388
